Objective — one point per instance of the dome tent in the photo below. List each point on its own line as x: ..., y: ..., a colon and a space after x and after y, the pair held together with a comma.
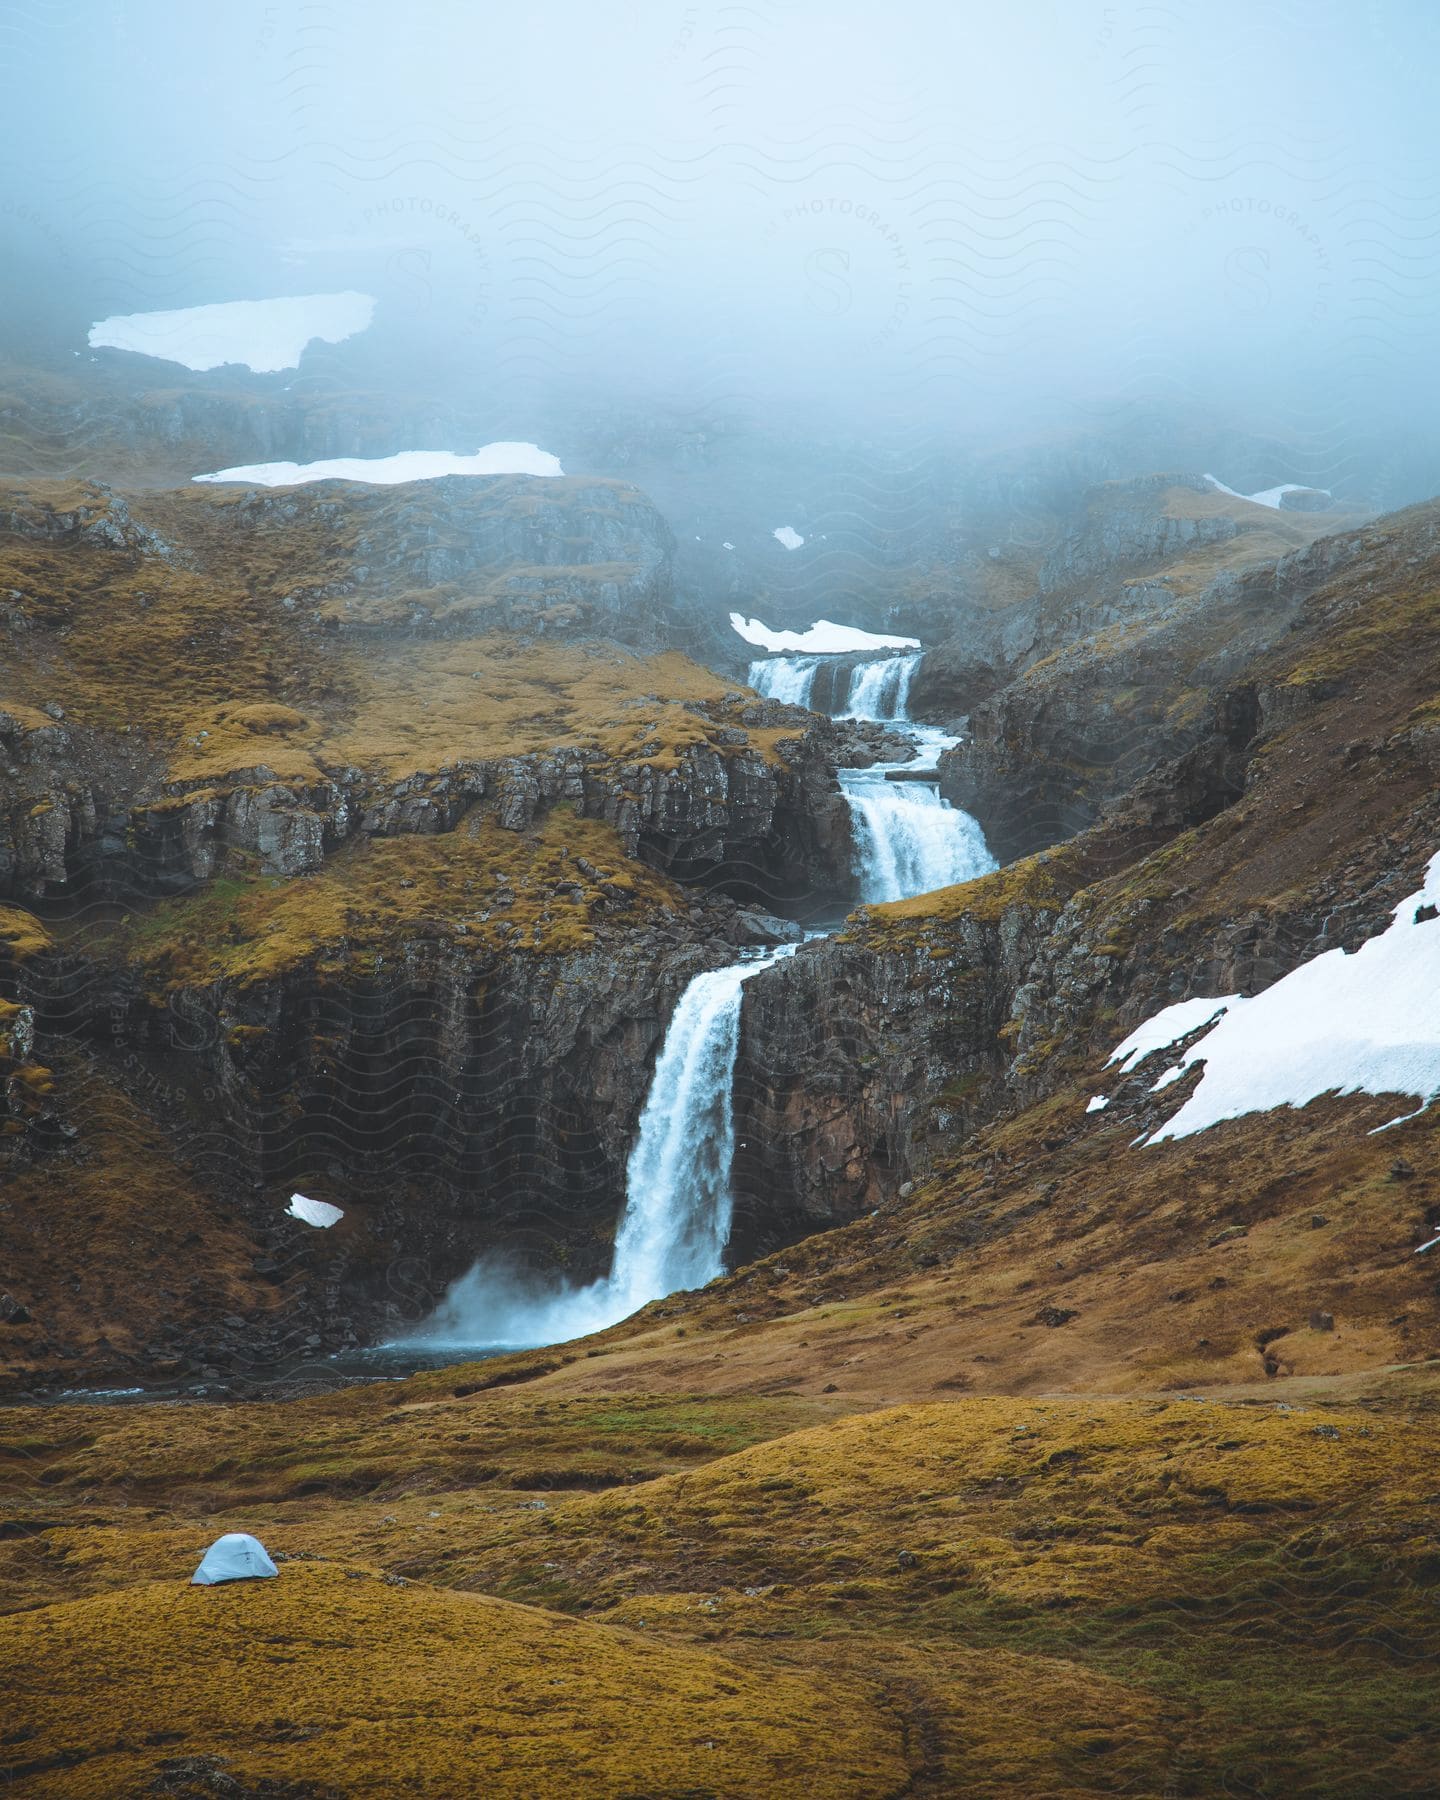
x: 235, y: 1557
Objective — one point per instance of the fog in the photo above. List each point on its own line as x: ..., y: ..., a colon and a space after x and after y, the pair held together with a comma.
x: 923, y: 219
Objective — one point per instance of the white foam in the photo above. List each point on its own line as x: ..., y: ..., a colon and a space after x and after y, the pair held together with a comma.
x: 319, y: 1213
x: 820, y: 639
x: 1365, y: 1022
x: 263, y: 335
x: 405, y: 465
x: 788, y: 536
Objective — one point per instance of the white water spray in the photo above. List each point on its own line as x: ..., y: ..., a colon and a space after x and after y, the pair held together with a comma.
x: 678, y: 1201
x: 908, y: 840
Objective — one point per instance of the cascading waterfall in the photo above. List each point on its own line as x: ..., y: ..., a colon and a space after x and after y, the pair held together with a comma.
x: 881, y: 690
x: 678, y: 1202
x: 788, y: 678
x: 908, y: 839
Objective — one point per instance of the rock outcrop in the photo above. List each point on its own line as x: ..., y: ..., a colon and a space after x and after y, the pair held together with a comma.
x: 1119, y: 672
x: 343, y: 661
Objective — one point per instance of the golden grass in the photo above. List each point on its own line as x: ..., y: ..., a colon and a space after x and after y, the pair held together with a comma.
x: 1034, y: 881
x: 329, y: 1675
x: 224, y: 670
x: 430, y: 705
x: 22, y: 935
x: 1076, y: 1596
x: 479, y: 887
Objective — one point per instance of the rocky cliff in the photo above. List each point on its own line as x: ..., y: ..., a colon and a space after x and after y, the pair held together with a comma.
x: 1164, y: 591
x: 325, y: 881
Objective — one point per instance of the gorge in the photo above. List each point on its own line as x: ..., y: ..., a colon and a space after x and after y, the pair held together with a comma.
x: 723, y: 1190
x: 675, y: 1226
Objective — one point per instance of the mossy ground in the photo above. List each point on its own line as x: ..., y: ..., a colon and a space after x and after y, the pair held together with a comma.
x: 1042, y: 882
x: 1029, y: 1597
x: 479, y: 885
x: 330, y: 1676
x: 210, y: 656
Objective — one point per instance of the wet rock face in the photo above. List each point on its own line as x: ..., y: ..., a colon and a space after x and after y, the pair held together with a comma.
x: 1129, y: 692
x: 463, y: 1101
x: 854, y: 1056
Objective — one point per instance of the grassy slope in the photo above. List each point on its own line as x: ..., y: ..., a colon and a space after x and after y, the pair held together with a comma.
x: 220, y: 659
x: 377, y: 894
x: 1078, y: 1596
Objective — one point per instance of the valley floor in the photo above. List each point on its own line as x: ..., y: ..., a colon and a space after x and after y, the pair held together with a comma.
x: 483, y: 1570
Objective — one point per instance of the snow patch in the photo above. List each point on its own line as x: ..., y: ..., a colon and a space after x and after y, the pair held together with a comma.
x: 406, y: 465
x: 1097, y: 1104
x: 1266, y: 496
x: 821, y: 639
x: 788, y: 536
x: 1362, y: 1022
x: 1168, y: 1027
x: 314, y: 1212
x: 263, y: 335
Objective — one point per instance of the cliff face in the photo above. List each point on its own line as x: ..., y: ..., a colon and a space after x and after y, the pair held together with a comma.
x: 270, y: 675
x: 726, y: 816
x: 449, y: 1035
x: 861, y: 1052
x: 1164, y: 593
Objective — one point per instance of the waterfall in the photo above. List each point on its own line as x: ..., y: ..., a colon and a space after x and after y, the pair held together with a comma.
x: 678, y: 1207
x: 908, y: 840
x: 788, y: 678
x: 881, y: 690
x: 678, y: 1203
x: 676, y: 1222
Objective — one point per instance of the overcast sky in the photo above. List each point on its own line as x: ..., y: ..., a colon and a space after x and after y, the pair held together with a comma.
x: 897, y: 211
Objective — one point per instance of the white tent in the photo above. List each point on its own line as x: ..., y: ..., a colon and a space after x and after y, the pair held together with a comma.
x: 235, y: 1557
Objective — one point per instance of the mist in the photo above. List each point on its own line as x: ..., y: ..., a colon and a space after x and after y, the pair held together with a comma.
x: 932, y: 221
